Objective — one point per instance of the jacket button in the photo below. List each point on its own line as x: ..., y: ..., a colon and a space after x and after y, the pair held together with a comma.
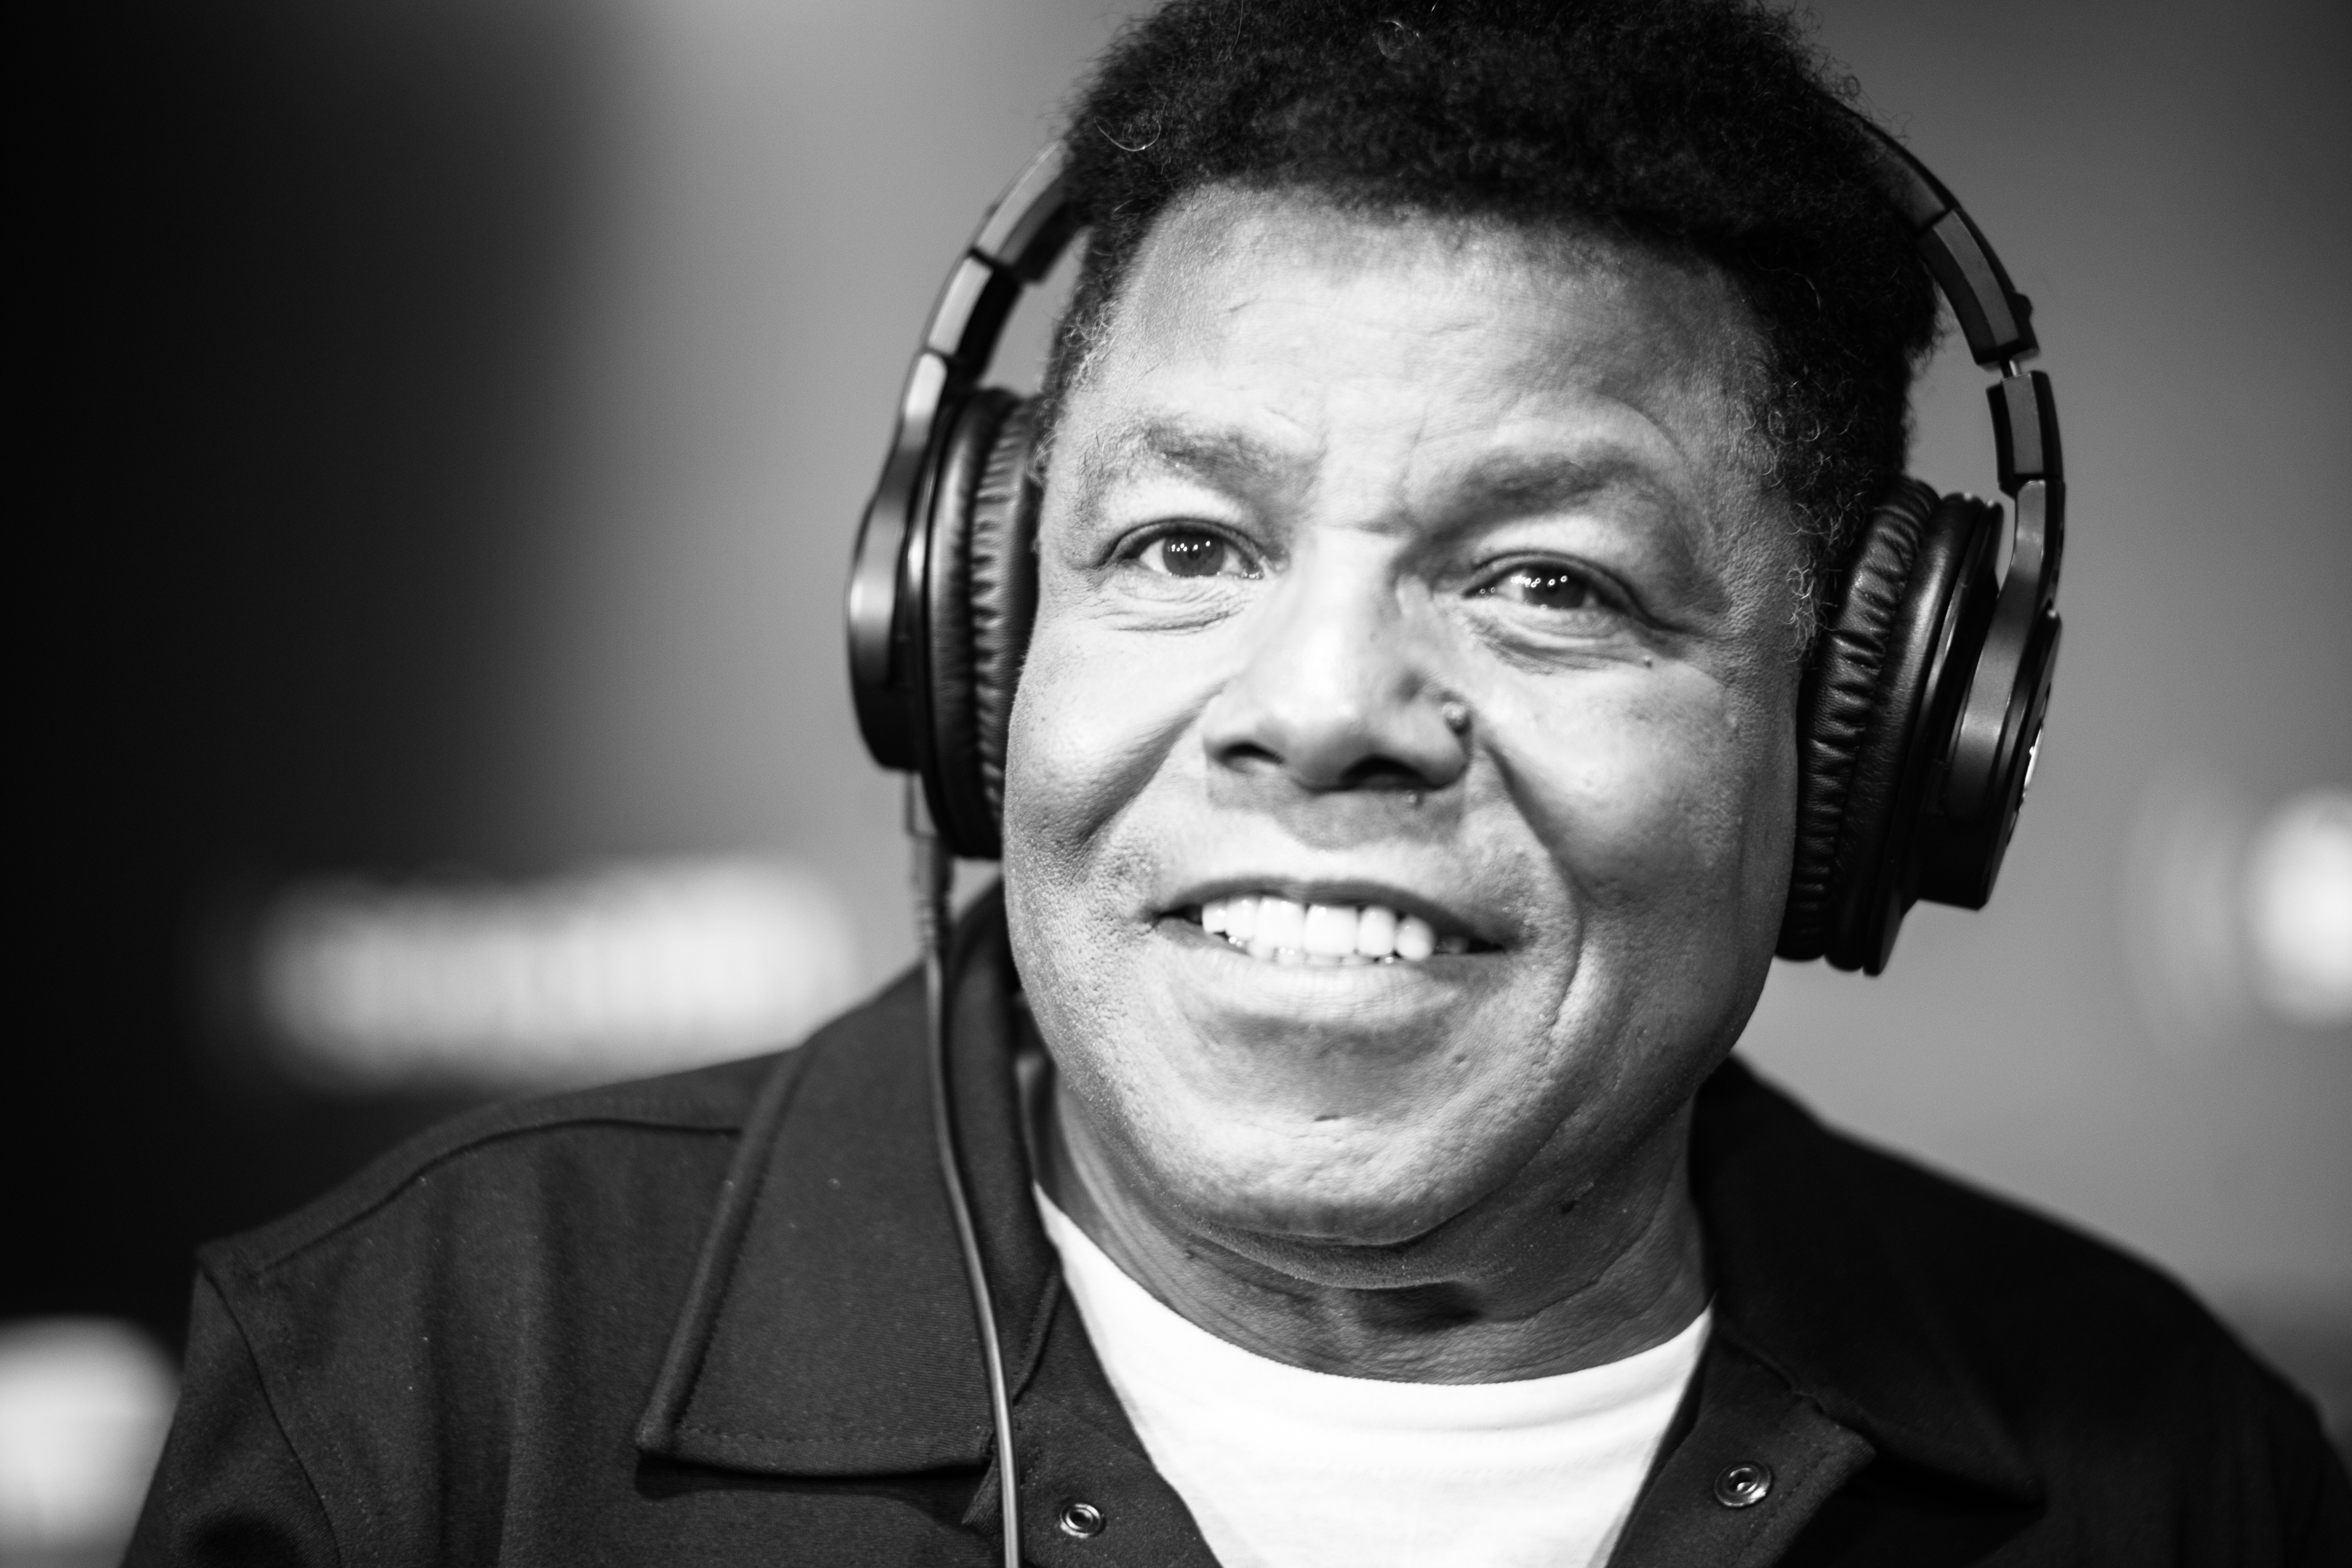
x: 1080, y: 1520
x: 1743, y: 1485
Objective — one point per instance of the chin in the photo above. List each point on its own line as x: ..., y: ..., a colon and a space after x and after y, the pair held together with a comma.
x: 1272, y: 1185
x: 1341, y: 1137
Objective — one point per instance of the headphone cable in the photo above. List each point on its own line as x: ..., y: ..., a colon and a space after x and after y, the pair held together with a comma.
x: 934, y: 874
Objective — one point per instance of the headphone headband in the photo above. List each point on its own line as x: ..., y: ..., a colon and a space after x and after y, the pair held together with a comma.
x: 1997, y: 322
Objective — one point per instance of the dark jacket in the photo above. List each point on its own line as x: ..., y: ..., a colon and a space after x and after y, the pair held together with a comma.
x: 718, y: 1318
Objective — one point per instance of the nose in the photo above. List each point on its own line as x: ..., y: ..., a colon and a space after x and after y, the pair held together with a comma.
x: 1340, y: 691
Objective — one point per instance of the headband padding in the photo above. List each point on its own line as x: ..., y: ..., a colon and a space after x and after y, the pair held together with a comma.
x: 1839, y: 712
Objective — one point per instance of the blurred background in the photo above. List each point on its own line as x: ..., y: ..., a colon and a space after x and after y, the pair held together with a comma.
x: 454, y: 415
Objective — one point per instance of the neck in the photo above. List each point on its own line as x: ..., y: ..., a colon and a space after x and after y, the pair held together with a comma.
x: 1528, y: 1286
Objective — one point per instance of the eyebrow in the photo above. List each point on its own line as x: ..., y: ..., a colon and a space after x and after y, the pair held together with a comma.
x: 1229, y: 459
x: 1514, y: 484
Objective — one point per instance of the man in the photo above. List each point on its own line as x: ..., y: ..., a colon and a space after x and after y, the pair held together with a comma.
x: 1461, y: 413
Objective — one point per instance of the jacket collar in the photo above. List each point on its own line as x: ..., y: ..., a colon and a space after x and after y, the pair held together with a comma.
x: 827, y: 1330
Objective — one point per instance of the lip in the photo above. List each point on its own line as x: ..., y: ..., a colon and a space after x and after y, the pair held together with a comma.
x: 1444, y: 919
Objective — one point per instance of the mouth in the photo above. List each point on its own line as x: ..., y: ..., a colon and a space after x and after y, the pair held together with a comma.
x: 1277, y: 929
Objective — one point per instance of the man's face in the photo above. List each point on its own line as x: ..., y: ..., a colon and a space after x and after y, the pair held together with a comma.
x: 1413, y: 571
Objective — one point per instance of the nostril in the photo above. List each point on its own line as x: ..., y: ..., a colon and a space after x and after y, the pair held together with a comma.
x: 1248, y: 753
x: 1384, y: 773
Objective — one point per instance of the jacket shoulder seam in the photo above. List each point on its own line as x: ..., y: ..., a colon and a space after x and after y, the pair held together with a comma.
x: 271, y: 1402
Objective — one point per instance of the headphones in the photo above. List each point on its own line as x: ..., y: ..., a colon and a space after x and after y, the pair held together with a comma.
x: 1921, y: 714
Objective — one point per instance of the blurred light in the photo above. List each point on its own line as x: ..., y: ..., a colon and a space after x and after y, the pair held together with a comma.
x: 2299, y: 895
x: 84, y: 1404
x: 2230, y: 915
x: 631, y: 969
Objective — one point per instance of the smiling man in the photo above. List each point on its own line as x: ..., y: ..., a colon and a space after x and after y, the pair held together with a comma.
x: 1467, y: 417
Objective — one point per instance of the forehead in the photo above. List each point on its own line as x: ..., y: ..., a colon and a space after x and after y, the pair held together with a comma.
x: 1280, y: 330
x: 1225, y: 250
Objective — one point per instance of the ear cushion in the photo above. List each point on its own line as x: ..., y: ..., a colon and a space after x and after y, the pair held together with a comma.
x: 980, y: 596
x: 950, y: 761
x: 1837, y: 717
x: 1004, y: 590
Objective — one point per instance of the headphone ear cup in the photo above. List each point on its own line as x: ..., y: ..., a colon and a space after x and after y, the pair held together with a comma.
x: 1877, y: 716
x: 980, y: 595
x: 1004, y: 591
x: 1838, y: 712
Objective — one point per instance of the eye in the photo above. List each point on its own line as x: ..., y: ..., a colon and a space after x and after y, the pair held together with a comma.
x: 1547, y: 585
x: 1194, y: 553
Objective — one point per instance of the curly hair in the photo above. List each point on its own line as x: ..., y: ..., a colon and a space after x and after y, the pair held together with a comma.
x: 1703, y: 129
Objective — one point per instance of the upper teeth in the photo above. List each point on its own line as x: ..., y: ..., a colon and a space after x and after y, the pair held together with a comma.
x: 1327, y: 933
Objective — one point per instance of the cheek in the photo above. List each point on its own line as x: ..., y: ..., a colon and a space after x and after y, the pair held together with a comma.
x: 1063, y: 789
x: 1049, y: 797
x: 1095, y: 719
x: 1670, y: 805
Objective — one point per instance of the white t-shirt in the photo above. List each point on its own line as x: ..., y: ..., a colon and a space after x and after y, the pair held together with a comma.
x: 1284, y: 1468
